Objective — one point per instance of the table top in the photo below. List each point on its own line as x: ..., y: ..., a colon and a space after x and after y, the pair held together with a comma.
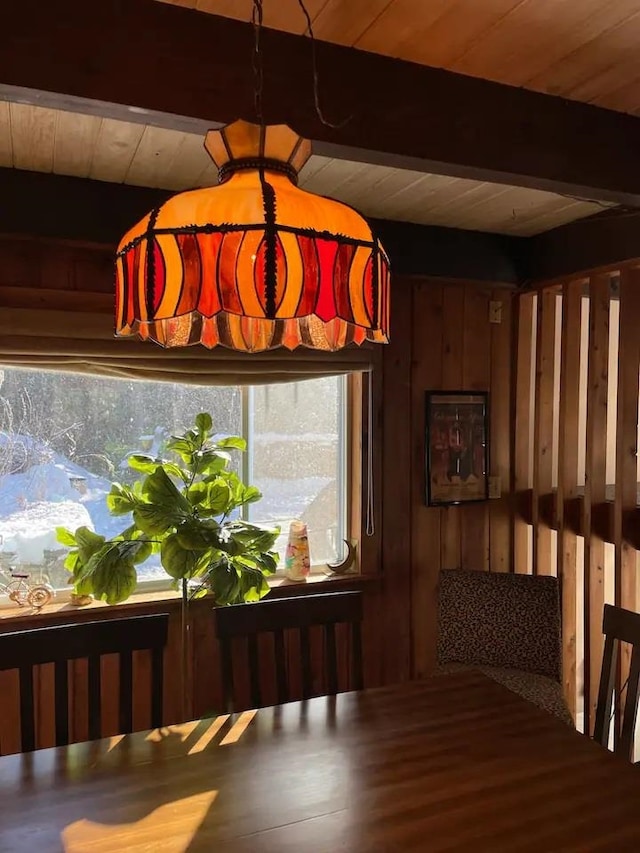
x: 454, y: 762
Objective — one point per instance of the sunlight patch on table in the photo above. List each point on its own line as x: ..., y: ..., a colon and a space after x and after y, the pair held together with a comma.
x: 178, y: 821
x: 238, y: 728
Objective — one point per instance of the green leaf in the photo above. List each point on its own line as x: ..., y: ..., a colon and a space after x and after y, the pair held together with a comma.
x: 218, y: 498
x: 121, y: 499
x: 225, y: 583
x: 179, y: 562
x: 65, y: 537
x: 208, y: 462
x: 159, y: 489
x: 204, y: 422
x: 196, y: 493
x: 140, y: 551
x: 89, y: 543
x: 183, y: 447
x: 142, y: 462
x: 175, y: 471
x: 155, y: 520
x: 195, y: 536
x: 232, y: 441
x: 114, y: 580
x: 71, y: 561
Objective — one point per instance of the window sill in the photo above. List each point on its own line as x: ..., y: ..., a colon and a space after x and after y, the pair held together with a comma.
x: 13, y: 618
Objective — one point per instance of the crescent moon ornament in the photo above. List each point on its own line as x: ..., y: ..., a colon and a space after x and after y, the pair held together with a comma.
x: 349, y: 560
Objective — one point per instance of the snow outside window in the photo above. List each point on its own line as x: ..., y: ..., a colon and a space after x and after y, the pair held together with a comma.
x: 65, y: 437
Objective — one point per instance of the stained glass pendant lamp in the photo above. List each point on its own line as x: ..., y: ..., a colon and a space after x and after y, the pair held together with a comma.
x: 255, y: 262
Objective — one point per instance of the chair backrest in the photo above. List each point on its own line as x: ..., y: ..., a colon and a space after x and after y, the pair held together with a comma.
x: 500, y: 619
x: 618, y: 625
x: 22, y: 650
x: 282, y: 615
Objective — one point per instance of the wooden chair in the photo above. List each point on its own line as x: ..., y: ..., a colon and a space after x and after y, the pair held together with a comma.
x: 22, y: 650
x: 276, y: 617
x: 618, y: 626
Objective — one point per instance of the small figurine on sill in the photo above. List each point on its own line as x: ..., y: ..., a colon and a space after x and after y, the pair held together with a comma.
x: 19, y: 589
x: 297, y: 563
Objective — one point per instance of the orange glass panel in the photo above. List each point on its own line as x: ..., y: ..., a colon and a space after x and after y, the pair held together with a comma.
x: 174, y: 272
x: 243, y: 139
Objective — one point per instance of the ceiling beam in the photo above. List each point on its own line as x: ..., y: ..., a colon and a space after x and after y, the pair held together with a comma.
x: 36, y: 204
x: 144, y: 55
x: 597, y: 242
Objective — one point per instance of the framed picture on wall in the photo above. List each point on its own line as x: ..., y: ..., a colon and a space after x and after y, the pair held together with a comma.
x: 457, y: 453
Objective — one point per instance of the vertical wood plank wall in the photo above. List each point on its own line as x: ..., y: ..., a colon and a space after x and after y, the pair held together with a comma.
x: 593, y: 349
x: 455, y: 347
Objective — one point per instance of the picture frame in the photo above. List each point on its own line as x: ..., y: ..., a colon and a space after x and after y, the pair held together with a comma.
x: 456, y: 447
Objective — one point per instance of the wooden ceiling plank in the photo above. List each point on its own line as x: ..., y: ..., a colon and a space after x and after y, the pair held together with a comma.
x: 587, y: 68
x: 190, y: 162
x: 314, y: 164
x: 32, y: 134
x: 6, y: 145
x: 397, y: 25
x: 330, y: 180
x: 513, y: 51
x: 116, y: 144
x: 75, y: 142
x: 156, y: 155
x: 572, y: 212
x: 345, y: 21
x: 284, y: 15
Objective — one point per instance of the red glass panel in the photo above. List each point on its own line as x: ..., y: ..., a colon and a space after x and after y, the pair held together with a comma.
x: 230, y: 249
x: 344, y: 257
x: 160, y: 275
x: 326, y: 304
x: 310, y: 265
x: 187, y: 299
x: 209, y: 301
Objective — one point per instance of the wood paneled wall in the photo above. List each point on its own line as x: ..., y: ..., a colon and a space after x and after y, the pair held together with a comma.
x: 441, y: 338
x: 455, y: 346
x: 577, y: 475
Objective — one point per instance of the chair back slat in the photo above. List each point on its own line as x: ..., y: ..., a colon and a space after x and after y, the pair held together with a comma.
x: 357, y: 677
x: 631, y: 707
x: 94, y: 697
x: 618, y: 625
x: 61, y: 701
x: 226, y: 664
x: 27, y: 716
x: 331, y: 664
x: 298, y: 615
x: 254, y: 669
x: 281, y: 667
x: 305, y: 659
x: 125, y: 705
x: 605, y: 691
x: 22, y: 650
x: 157, y: 686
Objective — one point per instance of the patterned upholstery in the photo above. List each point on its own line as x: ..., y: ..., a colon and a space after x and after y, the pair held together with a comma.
x: 499, y: 619
x: 507, y: 626
x: 541, y: 691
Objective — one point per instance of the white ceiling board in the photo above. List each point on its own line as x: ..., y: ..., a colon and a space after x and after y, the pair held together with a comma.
x: 42, y: 139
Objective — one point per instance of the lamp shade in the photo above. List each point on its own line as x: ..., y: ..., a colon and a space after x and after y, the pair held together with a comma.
x: 255, y: 262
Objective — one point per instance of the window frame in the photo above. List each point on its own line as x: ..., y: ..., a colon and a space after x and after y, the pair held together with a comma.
x: 350, y: 497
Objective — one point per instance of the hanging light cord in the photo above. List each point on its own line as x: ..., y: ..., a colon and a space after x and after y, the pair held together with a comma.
x: 316, y: 74
x: 257, y: 16
x: 256, y: 58
x: 370, y: 526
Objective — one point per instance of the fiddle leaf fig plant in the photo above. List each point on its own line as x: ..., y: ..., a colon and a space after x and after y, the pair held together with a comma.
x: 182, y: 510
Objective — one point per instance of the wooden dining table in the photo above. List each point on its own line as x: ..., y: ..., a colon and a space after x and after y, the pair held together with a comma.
x: 455, y: 763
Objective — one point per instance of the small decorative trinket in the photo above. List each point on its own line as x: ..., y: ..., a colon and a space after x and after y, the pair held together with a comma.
x: 297, y: 564
x: 21, y: 591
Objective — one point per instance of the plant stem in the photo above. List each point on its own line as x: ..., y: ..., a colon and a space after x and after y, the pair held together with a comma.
x: 185, y: 650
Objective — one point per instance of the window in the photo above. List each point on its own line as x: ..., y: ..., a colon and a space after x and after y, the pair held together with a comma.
x: 65, y: 437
